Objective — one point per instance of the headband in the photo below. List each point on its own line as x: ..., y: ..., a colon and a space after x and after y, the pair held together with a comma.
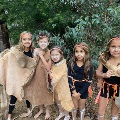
x: 82, y: 46
x: 41, y: 37
x: 116, y: 38
x: 56, y: 48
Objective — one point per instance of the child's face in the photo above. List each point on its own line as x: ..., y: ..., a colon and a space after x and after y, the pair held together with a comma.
x: 26, y: 40
x: 43, y: 43
x: 79, y: 53
x: 115, y: 48
x: 55, y: 56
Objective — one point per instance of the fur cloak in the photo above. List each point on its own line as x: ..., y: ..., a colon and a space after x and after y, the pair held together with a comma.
x: 37, y: 90
x: 16, y: 69
x: 61, y: 86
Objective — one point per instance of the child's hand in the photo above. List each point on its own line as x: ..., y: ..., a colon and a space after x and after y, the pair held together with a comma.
x: 41, y: 53
x: 74, y: 91
x: 76, y: 95
x: 108, y: 74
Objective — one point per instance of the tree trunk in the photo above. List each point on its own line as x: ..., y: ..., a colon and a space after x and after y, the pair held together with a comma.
x: 4, y: 37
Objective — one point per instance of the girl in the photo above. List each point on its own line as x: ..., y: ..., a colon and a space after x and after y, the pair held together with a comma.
x: 37, y: 90
x: 60, y: 84
x: 15, y: 63
x: 107, y: 71
x: 80, y: 75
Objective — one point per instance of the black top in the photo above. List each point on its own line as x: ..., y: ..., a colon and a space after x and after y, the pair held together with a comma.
x: 78, y: 74
x: 112, y: 79
x: 29, y: 53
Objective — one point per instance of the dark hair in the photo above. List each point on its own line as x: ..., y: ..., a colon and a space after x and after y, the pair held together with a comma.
x: 106, y: 53
x: 43, y: 34
x: 87, y: 59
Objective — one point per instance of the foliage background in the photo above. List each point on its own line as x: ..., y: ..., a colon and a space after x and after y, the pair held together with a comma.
x: 68, y: 22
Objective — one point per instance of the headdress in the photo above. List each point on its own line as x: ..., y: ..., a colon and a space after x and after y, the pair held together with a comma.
x: 41, y: 37
x: 114, y: 38
x: 82, y: 46
x: 56, y: 48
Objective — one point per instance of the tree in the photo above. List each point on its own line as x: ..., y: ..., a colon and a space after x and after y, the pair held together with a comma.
x: 92, y: 21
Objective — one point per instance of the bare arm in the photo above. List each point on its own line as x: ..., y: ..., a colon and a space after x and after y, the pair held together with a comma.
x: 100, y: 74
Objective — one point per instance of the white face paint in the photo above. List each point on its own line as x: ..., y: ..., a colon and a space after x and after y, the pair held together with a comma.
x: 55, y: 56
x: 26, y: 40
x: 115, y: 48
x: 43, y: 45
x: 79, y: 53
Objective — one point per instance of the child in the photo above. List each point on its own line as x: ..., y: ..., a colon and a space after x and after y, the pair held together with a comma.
x: 80, y: 76
x: 111, y: 80
x: 13, y: 65
x: 60, y: 84
x: 37, y: 92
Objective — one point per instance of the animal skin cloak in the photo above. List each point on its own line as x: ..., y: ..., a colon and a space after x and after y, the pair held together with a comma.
x: 36, y: 91
x: 116, y: 70
x: 16, y: 69
x: 61, y: 86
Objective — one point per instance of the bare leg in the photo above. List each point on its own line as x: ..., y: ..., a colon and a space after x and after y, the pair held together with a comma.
x: 39, y: 113
x: 75, y: 102
x: 47, y: 116
x: 102, y: 108
x: 82, y: 108
x: 114, y: 111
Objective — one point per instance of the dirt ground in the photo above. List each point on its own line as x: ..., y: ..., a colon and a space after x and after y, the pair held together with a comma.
x: 21, y: 108
x: 90, y: 112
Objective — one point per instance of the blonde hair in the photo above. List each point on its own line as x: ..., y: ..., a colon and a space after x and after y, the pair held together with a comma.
x: 21, y: 46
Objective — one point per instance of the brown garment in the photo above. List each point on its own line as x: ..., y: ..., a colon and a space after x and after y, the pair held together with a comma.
x: 16, y: 69
x: 36, y: 91
x: 61, y: 86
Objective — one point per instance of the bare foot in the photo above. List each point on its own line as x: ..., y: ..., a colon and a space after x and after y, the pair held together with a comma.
x: 60, y: 116
x: 47, y: 116
x: 38, y: 114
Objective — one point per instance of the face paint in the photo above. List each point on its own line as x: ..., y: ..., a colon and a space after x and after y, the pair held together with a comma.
x: 114, y: 48
x: 79, y: 53
x: 43, y: 45
x: 26, y: 40
x: 55, y: 56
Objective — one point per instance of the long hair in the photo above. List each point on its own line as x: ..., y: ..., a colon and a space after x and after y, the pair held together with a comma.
x: 59, y: 50
x: 106, y: 53
x: 21, y: 46
x: 87, y: 59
